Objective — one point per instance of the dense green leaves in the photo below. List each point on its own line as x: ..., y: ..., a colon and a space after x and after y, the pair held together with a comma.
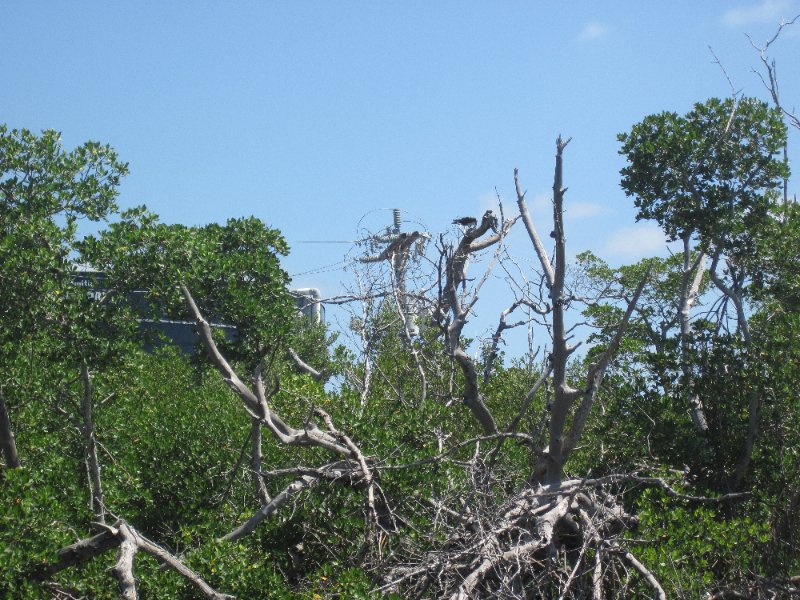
x: 41, y: 180
x: 173, y: 440
x: 44, y: 191
x: 233, y: 271
x: 708, y: 173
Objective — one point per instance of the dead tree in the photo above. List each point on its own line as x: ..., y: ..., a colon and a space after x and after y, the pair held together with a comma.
x: 568, y: 400
x: 560, y: 541
x: 560, y: 537
x: 769, y: 77
x: 454, y: 306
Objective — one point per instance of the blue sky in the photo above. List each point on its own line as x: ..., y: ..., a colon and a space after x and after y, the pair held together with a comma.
x: 311, y: 115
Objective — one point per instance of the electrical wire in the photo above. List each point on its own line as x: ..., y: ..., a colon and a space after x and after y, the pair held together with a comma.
x: 337, y: 266
x: 326, y: 242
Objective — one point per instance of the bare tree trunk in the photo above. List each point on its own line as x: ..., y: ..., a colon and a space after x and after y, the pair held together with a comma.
x: 755, y: 401
x: 7, y: 440
x: 256, y: 454
x: 451, y: 302
x: 90, y: 448
x: 472, y: 396
x: 564, y: 395
x: 123, y: 569
x: 550, y: 468
x: 690, y: 286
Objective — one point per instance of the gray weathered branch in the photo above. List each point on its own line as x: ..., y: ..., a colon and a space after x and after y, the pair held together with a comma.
x: 304, y: 366
x: 129, y: 541
x: 256, y: 402
x: 90, y: 447
x: 594, y: 377
x: 541, y: 253
x: 270, y: 508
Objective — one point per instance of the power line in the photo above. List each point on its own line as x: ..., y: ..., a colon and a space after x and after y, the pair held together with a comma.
x: 326, y: 242
x: 324, y: 269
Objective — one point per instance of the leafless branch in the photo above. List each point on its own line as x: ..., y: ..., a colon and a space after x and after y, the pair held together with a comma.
x: 305, y: 367
x: 129, y: 541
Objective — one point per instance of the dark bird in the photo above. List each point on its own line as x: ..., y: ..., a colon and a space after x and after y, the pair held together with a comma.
x: 466, y: 221
x: 489, y: 216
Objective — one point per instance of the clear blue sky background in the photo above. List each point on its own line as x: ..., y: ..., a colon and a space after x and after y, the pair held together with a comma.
x: 310, y: 115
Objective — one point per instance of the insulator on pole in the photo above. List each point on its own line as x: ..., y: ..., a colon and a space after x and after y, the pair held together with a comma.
x: 396, y: 212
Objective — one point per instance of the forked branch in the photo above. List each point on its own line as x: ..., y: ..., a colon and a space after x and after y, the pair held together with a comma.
x: 129, y: 541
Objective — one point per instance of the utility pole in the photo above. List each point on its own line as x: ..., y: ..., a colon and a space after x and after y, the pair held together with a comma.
x: 398, y: 246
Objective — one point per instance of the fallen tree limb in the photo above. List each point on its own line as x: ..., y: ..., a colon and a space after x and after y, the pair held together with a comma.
x: 656, y: 481
x: 123, y: 569
x: 539, y: 539
x: 78, y: 553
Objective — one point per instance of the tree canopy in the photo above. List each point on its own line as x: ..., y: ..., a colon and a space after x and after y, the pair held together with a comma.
x: 646, y: 445
x: 711, y: 173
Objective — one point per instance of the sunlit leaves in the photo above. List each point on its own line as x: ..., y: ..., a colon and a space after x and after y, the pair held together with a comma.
x: 710, y: 173
x: 44, y: 190
x: 232, y: 270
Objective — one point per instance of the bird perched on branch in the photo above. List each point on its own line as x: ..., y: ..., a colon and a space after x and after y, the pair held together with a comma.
x: 489, y: 216
x: 466, y: 221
